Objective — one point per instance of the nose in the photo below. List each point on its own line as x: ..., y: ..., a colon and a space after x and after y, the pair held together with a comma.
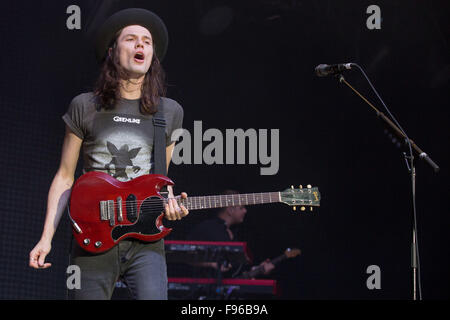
x: 139, y: 43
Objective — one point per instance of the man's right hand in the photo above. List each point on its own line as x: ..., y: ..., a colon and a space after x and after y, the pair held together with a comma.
x: 38, y: 254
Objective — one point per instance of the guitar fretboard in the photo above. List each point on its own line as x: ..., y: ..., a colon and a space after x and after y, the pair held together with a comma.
x: 220, y: 201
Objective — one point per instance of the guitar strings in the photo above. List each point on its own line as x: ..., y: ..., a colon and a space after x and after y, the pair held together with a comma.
x: 195, y: 201
x: 160, y: 203
x: 157, y: 203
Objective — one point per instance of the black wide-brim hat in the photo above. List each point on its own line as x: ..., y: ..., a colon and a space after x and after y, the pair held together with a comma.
x: 127, y: 17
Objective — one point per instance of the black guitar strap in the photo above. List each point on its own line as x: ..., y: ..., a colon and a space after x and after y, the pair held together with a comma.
x: 159, y: 142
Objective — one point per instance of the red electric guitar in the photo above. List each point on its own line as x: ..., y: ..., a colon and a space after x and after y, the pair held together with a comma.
x: 103, y: 211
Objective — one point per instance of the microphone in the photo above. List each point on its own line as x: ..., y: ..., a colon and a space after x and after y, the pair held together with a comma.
x: 323, y: 70
x: 425, y: 157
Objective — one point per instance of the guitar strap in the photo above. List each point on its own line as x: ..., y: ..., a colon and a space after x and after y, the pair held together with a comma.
x: 159, y: 141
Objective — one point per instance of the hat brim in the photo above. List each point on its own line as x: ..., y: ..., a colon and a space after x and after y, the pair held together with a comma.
x: 132, y: 16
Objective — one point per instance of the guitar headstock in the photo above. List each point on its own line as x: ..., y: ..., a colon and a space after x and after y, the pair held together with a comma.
x: 292, y: 253
x: 303, y: 197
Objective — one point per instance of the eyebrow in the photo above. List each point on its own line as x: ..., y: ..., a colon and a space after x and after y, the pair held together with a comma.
x: 134, y: 35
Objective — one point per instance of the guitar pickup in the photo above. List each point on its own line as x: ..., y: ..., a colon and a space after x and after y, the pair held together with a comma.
x: 119, y: 209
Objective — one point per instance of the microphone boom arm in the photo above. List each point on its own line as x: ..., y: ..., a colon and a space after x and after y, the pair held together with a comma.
x: 400, y: 134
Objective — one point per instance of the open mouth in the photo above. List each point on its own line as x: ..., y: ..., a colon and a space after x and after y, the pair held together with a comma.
x: 139, y: 57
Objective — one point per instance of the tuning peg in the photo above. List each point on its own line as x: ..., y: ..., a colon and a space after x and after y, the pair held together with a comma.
x: 301, y: 187
x: 292, y: 187
x: 303, y: 208
x: 294, y: 208
x: 310, y: 208
x: 309, y: 186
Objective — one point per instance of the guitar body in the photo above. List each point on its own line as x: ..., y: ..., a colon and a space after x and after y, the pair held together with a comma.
x: 105, y: 211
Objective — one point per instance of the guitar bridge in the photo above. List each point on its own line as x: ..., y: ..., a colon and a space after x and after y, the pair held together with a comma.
x: 107, y: 211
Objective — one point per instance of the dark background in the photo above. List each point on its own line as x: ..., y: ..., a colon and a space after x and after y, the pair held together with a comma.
x: 256, y: 73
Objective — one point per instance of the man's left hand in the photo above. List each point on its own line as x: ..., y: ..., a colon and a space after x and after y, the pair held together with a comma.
x: 173, y: 210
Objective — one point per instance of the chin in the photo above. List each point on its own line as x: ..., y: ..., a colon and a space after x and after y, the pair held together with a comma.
x: 136, y: 72
x: 137, y: 69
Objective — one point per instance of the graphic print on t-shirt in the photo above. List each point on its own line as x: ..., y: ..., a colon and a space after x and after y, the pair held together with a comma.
x: 121, y: 159
x: 122, y: 149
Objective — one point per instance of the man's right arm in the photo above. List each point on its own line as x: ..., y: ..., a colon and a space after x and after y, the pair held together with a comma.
x: 58, y: 197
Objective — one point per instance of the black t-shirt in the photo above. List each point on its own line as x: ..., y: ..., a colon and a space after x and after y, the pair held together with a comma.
x: 119, y: 142
x: 213, y: 229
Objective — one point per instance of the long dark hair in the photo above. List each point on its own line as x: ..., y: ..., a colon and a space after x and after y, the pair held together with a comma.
x: 107, y: 86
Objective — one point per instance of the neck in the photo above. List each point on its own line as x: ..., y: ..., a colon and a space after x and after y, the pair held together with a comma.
x: 224, y: 217
x: 131, y: 88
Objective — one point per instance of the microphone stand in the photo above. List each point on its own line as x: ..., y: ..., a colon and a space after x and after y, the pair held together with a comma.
x: 415, y: 261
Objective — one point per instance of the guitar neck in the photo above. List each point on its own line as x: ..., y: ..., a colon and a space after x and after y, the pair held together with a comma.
x: 278, y: 259
x: 220, y: 201
x: 260, y: 269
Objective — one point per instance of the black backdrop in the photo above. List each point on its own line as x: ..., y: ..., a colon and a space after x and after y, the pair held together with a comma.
x: 257, y: 73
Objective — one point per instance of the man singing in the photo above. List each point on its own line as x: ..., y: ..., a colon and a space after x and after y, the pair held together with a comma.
x: 113, y: 124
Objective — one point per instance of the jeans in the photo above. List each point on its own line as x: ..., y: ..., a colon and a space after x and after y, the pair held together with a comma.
x: 141, y: 266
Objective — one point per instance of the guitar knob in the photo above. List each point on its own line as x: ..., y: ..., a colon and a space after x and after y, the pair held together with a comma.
x: 86, y: 242
x: 98, y: 244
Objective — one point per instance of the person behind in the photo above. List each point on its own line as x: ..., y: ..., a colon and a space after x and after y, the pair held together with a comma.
x: 113, y: 127
x: 221, y: 228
